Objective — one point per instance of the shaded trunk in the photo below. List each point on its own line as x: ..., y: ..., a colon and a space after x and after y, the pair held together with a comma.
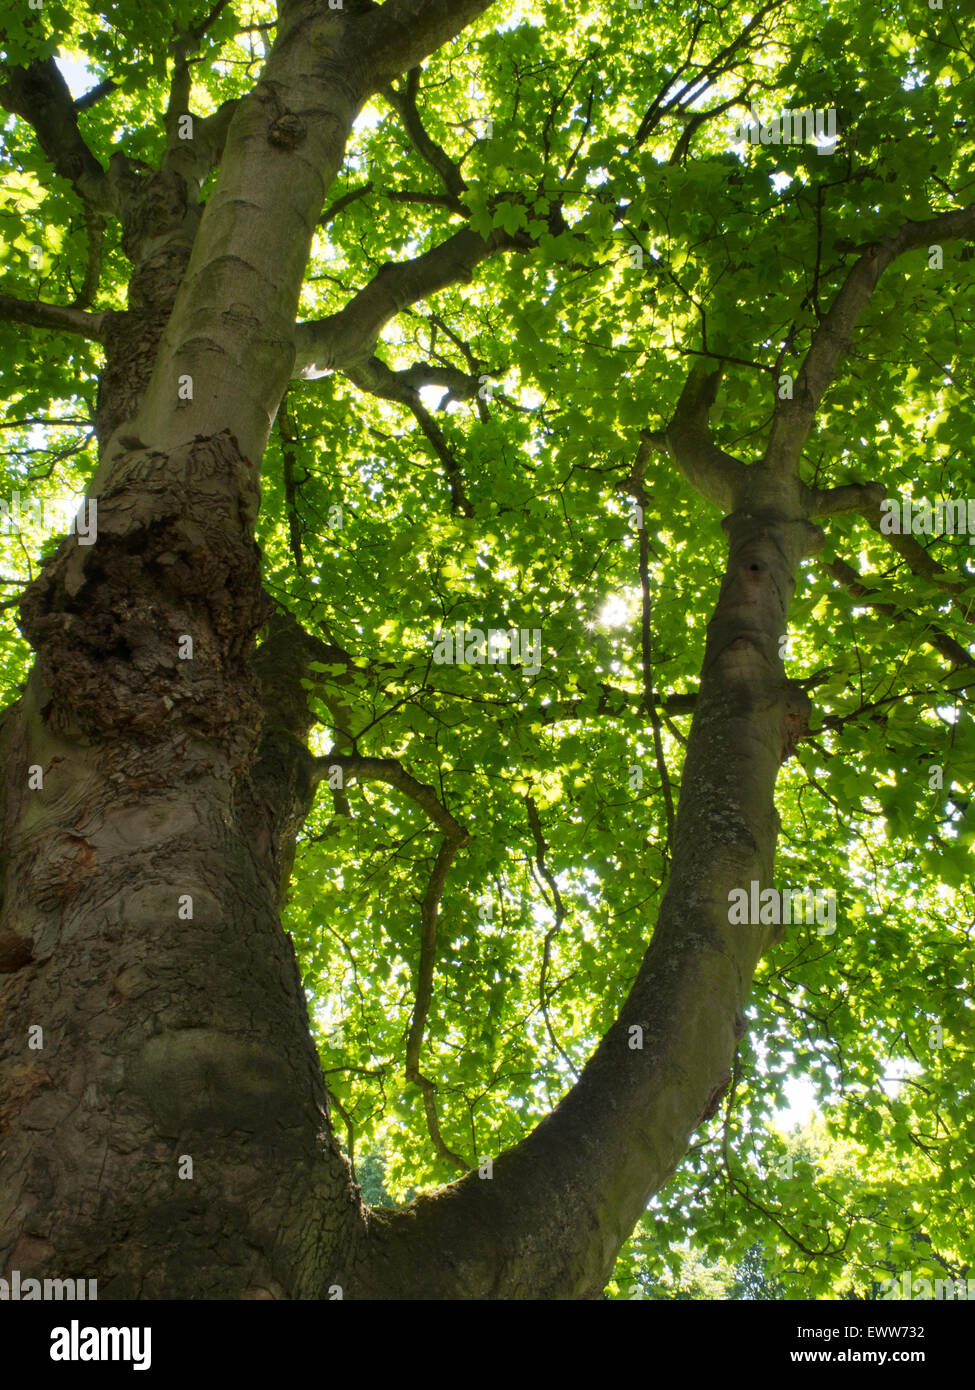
x: 162, y: 1105
x: 163, y: 1120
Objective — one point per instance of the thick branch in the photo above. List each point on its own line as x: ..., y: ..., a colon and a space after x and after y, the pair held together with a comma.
x: 351, y: 334
x: 864, y: 498
x: 847, y: 576
x: 715, y: 474
x: 919, y: 561
x: 96, y: 94
x: 398, y: 35
x: 40, y: 96
x: 379, y: 380
x: 194, y: 158
x: 562, y: 1201
x: 180, y: 87
x: 62, y: 318
x: 458, y: 385
x: 793, y: 419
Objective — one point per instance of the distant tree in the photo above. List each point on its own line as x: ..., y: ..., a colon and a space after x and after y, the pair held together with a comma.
x: 752, y: 1279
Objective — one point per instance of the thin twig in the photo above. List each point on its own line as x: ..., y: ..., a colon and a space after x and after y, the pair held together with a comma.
x: 541, y: 849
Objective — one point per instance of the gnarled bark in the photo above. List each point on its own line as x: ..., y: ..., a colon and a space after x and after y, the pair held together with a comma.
x: 144, y: 885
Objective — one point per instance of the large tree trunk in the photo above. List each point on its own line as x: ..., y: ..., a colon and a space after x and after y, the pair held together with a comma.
x: 142, y: 883
x: 142, y: 876
x: 163, y: 1121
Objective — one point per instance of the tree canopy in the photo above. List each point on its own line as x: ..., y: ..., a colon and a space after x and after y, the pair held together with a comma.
x: 548, y: 260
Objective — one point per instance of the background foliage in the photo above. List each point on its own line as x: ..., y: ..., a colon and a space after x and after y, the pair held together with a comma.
x: 610, y: 130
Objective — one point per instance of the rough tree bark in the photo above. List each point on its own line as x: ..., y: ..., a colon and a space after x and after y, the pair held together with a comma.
x: 142, y: 875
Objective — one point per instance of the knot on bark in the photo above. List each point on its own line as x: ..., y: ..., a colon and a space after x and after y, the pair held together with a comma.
x: 152, y: 624
x: 15, y: 952
x: 287, y: 132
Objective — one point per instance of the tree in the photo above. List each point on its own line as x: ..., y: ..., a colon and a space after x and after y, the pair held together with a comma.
x: 418, y: 351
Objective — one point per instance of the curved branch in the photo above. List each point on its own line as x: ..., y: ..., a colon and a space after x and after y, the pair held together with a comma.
x: 39, y: 95
x: 793, y: 419
x: 379, y: 380
x: 934, y: 637
x: 455, y: 837
x: 459, y: 386
x: 403, y: 100
x: 351, y: 334
x: 918, y: 559
x: 394, y: 774
x: 716, y: 475
x: 563, y: 1199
